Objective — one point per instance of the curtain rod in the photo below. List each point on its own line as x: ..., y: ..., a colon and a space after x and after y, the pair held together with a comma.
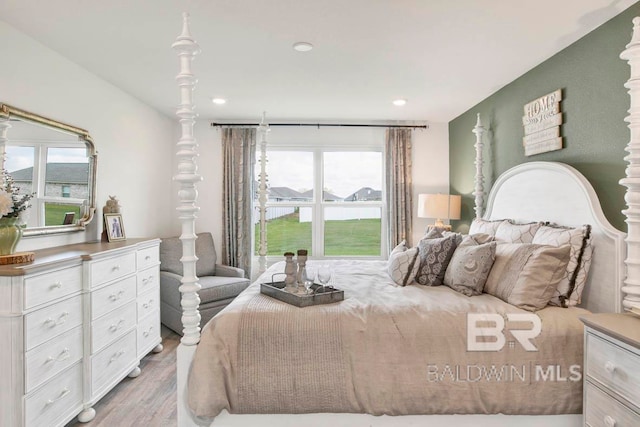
x: 323, y: 124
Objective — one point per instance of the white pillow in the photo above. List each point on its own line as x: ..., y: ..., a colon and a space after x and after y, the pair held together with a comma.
x: 508, y: 232
x: 484, y: 226
x: 403, y: 264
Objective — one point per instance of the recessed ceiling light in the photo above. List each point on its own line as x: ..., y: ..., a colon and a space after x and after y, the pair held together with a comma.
x: 302, y: 46
x: 219, y: 101
x: 399, y: 102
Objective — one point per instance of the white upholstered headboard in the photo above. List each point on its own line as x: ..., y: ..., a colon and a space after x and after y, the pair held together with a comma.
x: 556, y: 192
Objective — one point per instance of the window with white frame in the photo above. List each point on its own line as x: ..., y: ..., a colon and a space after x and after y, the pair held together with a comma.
x: 326, y: 199
x: 58, y: 177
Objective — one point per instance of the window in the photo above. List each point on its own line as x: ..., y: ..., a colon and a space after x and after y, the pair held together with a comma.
x: 57, y: 175
x: 344, y: 219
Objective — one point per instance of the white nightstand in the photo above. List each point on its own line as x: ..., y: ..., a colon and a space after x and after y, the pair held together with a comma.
x: 611, y: 370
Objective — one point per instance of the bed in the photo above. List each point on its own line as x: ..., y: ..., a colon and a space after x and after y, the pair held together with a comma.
x: 251, y: 348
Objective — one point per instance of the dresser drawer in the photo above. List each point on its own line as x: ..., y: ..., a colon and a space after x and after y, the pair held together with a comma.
x: 112, y: 325
x: 614, y: 367
x: 51, y: 321
x: 148, y: 279
x: 148, y: 334
x: 147, y: 257
x: 111, y: 362
x: 60, y: 397
x: 113, y: 268
x: 47, y: 287
x: 148, y: 303
x: 113, y: 296
x: 603, y: 410
x: 52, y: 357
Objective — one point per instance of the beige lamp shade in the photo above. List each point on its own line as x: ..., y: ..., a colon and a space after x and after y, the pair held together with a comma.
x: 439, y: 207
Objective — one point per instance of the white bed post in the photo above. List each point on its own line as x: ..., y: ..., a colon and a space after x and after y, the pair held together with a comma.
x: 187, y: 176
x: 631, y: 288
x: 478, y: 192
x: 263, y: 130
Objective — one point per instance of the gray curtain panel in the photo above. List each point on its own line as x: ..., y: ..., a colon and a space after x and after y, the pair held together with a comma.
x: 399, y: 186
x: 239, y: 151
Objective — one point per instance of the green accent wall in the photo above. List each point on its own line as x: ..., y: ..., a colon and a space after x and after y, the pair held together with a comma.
x: 594, y: 105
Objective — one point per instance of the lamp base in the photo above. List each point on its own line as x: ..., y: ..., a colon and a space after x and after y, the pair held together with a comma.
x: 441, y: 227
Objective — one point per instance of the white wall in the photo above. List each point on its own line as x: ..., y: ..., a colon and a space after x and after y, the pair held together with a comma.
x: 134, y: 141
x: 430, y: 169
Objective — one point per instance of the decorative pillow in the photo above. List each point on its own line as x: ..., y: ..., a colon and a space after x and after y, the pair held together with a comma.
x: 484, y: 226
x: 435, y: 255
x: 433, y: 233
x: 459, y: 237
x: 470, y: 266
x: 576, y: 238
x: 527, y: 275
x: 403, y: 264
x: 509, y: 232
x: 575, y: 297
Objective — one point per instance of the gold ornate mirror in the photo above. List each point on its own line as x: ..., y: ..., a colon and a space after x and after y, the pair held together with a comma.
x: 54, y: 161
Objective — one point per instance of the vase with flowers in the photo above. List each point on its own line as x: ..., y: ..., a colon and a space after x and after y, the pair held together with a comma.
x: 12, y: 204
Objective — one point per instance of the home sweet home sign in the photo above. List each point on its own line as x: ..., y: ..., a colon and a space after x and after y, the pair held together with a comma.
x: 542, y: 119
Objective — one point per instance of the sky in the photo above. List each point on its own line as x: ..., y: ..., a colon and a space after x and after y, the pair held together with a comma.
x: 344, y: 172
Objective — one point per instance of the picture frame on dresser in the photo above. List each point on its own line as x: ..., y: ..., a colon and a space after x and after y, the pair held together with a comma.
x: 114, y: 227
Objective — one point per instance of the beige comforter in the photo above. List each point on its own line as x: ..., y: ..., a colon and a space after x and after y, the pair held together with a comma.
x: 383, y: 350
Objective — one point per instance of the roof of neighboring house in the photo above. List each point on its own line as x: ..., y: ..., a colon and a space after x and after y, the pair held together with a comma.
x: 59, y: 173
x: 326, y: 196
x: 285, y: 193
x: 365, y: 194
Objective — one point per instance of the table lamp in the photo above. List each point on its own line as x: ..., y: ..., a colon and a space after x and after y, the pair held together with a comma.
x: 439, y: 206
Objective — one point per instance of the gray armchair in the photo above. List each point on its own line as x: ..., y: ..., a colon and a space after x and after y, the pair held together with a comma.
x: 220, y: 283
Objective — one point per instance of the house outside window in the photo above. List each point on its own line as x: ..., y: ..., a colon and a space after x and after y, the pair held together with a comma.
x: 57, y: 175
x: 326, y: 199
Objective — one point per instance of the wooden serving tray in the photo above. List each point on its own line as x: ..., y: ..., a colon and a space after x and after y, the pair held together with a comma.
x: 319, y: 296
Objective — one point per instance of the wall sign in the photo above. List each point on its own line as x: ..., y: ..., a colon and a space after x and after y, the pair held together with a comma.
x: 542, y: 119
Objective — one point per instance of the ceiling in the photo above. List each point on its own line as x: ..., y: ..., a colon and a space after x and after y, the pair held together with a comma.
x: 443, y: 56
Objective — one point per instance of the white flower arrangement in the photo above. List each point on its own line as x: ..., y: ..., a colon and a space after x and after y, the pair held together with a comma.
x: 12, y: 203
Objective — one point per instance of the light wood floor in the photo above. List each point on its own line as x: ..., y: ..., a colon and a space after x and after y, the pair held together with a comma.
x: 148, y: 400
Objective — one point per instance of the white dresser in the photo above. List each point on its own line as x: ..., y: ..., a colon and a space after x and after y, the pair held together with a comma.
x: 75, y: 322
x: 612, y: 370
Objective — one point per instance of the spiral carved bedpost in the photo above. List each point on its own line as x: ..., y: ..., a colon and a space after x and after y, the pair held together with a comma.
x: 631, y: 288
x: 478, y: 191
x: 263, y: 131
x: 187, y: 176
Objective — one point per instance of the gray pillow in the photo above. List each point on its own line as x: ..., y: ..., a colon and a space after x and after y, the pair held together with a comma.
x: 435, y: 255
x: 171, y: 252
x: 470, y: 266
x: 403, y: 264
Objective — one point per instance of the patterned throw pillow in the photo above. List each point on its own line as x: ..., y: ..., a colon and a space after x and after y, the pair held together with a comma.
x: 527, y: 275
x: 470, y: 266
x: 435, y: 255
x: 576, y: 275
x: 575, y: 297
x: 484, y: 226
x: 403, y: 264
x: 509, y: 232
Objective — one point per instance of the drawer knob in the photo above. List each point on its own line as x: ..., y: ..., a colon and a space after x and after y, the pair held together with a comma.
x: 150, y: 279
x: 116, y: 297
x: 116, y: 267
x: 116, y: 356
x: 610, y: 367
x: 116, y: 326
x: 63, y: 393
x: 609, y: 421
x: 64, y: 355
x: 60, y: 321
x: 147, y: 333
x: 147, y: 258
x: 56, y: 285
x: 148, y: 304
